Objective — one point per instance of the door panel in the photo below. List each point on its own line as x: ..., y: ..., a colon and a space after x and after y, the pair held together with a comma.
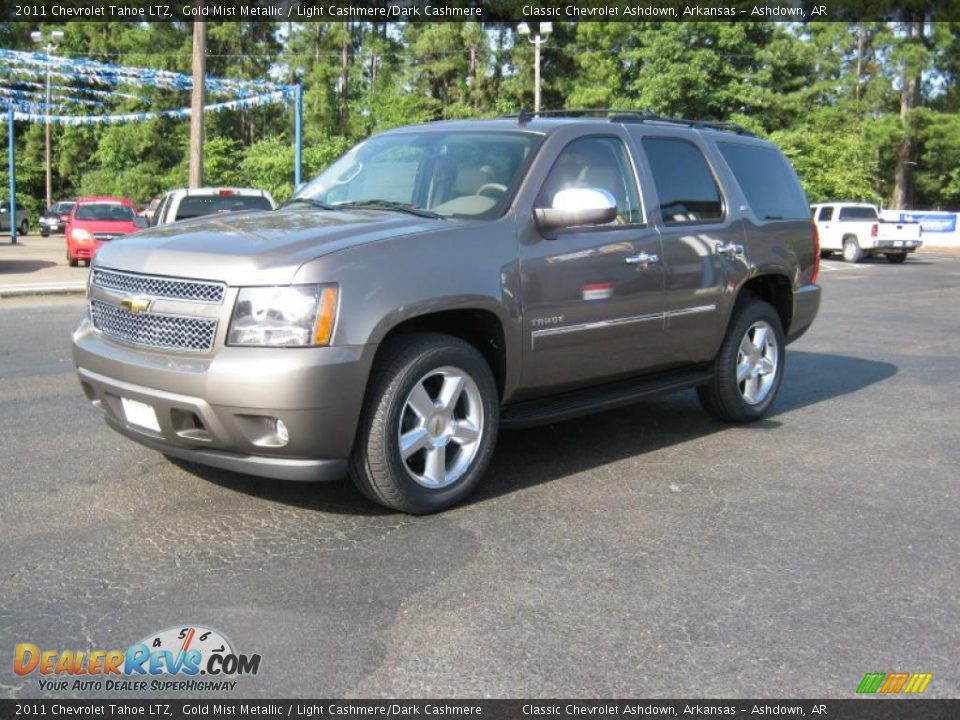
x: 588, y: 314
x: 699, y: 278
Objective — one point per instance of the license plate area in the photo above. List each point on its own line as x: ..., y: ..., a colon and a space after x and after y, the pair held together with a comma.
x: 140, y: 414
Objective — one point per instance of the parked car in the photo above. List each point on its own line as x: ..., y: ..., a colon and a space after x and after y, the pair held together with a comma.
x: 187, y: 203
x: 857, y: 230
x: 55, y: 218
x: 94, y: 221
x: 443, y: 280
x: 22, y: 220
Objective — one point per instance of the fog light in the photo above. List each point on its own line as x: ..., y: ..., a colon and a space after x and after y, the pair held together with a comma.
x: 280, y: 430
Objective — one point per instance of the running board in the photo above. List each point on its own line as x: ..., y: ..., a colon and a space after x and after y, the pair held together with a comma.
x: 543, y: 411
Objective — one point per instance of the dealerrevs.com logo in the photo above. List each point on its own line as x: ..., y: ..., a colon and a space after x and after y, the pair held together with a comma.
x: 191, y: 658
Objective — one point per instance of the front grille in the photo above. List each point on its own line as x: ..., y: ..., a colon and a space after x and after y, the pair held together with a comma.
x: 170, y: 332
x: 165, y: 287
x: 105, y: 236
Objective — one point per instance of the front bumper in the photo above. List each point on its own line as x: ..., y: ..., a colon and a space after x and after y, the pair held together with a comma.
x: 806, y: 304
x: 220, y: 408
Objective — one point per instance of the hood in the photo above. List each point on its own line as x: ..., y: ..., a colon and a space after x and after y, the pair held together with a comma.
x: 254, y: 248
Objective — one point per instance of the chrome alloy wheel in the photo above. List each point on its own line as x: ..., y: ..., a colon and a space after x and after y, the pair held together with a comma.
x: 757, y: 362
x: 441, y: 427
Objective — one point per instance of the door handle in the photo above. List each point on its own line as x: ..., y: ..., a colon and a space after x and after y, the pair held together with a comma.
x: 641, y: 258
x: 731, y: 249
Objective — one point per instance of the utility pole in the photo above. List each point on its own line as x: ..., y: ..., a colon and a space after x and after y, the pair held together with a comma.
x: 56, y: 36
x: 537, y: 38
x: 197, y: 102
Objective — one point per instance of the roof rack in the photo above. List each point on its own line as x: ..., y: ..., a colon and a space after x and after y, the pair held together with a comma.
x: 632, y: 116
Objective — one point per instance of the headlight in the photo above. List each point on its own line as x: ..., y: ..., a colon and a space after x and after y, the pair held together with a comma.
x: 81, y: 235
x: 298, y: 315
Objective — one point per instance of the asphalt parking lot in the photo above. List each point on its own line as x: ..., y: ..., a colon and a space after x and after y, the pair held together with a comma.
x: 648, y: 551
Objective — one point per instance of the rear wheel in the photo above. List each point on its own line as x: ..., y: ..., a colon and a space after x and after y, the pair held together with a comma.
x: 851, y: 250
x: 896, y: 258
x: 748, y: 369
x: 429, y: 424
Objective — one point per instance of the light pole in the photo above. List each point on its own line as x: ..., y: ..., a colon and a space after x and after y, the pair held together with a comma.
x: 537, y: 38
x: 56, y: 36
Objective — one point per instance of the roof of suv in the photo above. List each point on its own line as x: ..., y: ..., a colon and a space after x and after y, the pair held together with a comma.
x: 550, y: 121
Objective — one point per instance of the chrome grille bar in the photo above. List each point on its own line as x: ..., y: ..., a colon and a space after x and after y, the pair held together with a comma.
x: 169, y: 332
x: 203, y: 291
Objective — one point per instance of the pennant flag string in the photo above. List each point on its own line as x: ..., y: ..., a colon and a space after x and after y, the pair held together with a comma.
x: 278, y: 96
x: 92, y: 71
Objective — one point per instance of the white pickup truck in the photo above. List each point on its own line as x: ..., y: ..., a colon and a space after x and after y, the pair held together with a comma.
x: 856, y: 230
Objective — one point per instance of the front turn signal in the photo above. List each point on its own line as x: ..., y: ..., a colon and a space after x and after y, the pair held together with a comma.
x: 326, y: 316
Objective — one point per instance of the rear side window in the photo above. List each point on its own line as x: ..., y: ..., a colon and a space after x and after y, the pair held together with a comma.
x: 826, y: 213
x: 684, y: 183
x: 858, y: 213
x: 199, y: 205
x: 767, y: 180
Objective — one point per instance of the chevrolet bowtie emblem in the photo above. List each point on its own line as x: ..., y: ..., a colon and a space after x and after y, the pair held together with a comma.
x: 135, y: 304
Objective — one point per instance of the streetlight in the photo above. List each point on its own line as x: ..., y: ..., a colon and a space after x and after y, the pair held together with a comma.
x: 538, y: 38
x: 56, y: 36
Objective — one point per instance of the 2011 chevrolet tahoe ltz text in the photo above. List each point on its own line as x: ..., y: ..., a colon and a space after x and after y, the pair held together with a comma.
x: 441, y: 281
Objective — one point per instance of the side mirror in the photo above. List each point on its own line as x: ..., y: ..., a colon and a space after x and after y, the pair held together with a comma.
x: 140, y: 221
x: 576, y: 207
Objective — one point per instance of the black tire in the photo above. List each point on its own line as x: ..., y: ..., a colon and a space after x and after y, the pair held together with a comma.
x: 72, y: 262
x: 851, y: 250
x: 723, y: 397
x: 896, y: 258
x: 86, y: 263
x: 376, y: 465
x: 44, y: 232
x: 24, y: 228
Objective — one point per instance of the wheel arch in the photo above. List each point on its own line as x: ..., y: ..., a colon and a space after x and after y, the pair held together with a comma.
x: 479, y: 327
x: 773, y: 288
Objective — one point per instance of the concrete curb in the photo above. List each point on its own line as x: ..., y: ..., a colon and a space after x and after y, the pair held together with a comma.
x: 67, y: 288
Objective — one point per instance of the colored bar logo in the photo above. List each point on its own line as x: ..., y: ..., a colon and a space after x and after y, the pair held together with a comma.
x: 894, y: 683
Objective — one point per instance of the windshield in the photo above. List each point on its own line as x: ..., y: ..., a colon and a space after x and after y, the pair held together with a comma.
x: 62, y: 207
x: 197, y: 205
x: 104, y: 211
x: 453, y: 174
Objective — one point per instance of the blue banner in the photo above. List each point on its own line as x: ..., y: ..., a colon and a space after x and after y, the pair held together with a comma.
x: 932, y: 222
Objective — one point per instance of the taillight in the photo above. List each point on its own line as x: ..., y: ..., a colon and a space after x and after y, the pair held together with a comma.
x: 816, y: 254
x: 874, y: 229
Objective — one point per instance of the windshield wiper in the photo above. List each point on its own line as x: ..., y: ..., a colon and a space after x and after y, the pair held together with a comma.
x: 377, y: 204
x: 309, y: 201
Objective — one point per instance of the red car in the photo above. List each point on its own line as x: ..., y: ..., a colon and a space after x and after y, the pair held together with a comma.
x: 96, y: 220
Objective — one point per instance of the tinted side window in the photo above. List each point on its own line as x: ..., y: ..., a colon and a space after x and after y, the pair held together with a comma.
x: 767, y: 180
x: 595, y: 162
x: 826, y: 213
x: 684, y: 183
x: 858, y: 213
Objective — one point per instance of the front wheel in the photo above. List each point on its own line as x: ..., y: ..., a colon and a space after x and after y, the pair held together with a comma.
x: 748, y: 369
x: 896, y: 258
x: 429, y: 424
x: 24, y: 228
